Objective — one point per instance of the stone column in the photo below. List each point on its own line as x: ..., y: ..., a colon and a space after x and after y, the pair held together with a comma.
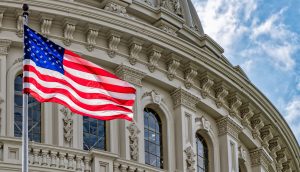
x: 259, y: 160
x: 228, y: 139
x: 184, y: 112
x: 4, y: 45
x: 134, y: 77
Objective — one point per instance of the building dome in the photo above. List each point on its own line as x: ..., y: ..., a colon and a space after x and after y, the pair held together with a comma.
x: 194, y: 111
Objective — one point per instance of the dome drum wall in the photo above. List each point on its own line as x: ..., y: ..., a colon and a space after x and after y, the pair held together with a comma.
x: 189, y: 83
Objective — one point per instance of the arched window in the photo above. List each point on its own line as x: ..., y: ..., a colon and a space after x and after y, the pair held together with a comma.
x: 34, y: 113
x: 153, y: 138
x: 93, y: 134
x: 202, y: 154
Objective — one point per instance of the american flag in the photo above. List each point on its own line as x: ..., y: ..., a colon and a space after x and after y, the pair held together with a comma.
x: 55, y: 74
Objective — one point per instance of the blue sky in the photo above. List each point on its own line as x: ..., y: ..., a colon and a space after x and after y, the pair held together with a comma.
x: 263, y: 37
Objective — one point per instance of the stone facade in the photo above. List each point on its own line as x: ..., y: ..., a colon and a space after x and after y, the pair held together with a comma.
x: 177, y: 70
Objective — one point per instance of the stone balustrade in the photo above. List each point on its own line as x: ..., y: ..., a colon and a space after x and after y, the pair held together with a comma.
x: 46, y: 158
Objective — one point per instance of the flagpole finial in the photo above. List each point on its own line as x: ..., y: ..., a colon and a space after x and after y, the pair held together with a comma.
x: 25, y: 7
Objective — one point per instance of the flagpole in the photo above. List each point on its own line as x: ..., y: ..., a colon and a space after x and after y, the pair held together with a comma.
x: 25, y: 107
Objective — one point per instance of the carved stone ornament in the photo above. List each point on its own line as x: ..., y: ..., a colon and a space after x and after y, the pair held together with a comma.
x: 173, y: 6
x: 69, y: 28
x: 281, y: 158
x: 154, y: 54
x: 129, y: 74
x: 133, y: 141
x: 166, y: 27
x: 256, y: 124
x: 242, y: 154
x: 46, y: 23
x: 190, y: 159
x: 116, y: 8
x: 134, y: 50
x: 4, y: 45
x: 68, y: 123
x: 91, y: 36
x: 227, y: 126
x: 266, y: 135
x: 113, y: 43
x: 260, y: 157
x: 204, y: 123
x: 206, y: 83
x: 246, y: 111
x: 274, y: 146
x: 172, y: 66
x: 20, y: 29
x: 234, y: 102
x: 182, y: 97
x: 156, y: 98
x: 286, y: 166
x: 2, y: 10
x: 221, y: 91
x: 190, y: 72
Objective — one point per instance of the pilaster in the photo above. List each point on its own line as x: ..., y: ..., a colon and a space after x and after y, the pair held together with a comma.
x: 127, y: 133
x: 228, y: 138
x: 4, y: 46
x: 184, y: 115
x: 259, y: 160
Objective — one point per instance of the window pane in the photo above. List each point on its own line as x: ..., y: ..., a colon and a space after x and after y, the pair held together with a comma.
x: 152, y: 137
x: 202, y: 155
x: 93, y: 134
x: 34, y: 113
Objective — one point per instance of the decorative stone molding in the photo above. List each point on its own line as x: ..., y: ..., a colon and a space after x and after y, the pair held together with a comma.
x: 114, y: 39
x: 4, y: 46
x: 116, y: 167
x: 234, y: 102
x: 134, y: 141
x: 156, y: 98
x: 280, y: 158
x: 134, y: 50
x: 286, y: 166
x: 256, y: 124
x: 190, y: 72
x: 190, y: 159
x: 274, y: 146
x: 206, y: 83
x: 154, y: 54
x: 116, y: 8
x: 221, y: 91
x: 203, y: 123
x: 2, y: 10
x: 172, y: 66
x: 173, y: 6
x: 20, y: 29
x: 227, y: 126
x: 260, y: 157
x: 68, y: 123
x: 69, y: 28
x: 129, y: 74
x: 242, y: 154
x: 46, y: 23
x: 266, y: 135
x: 166, y: 27
x: 87, y: 166
x: 185, y: 98
x: 91, y: 36
x: 247, y: 112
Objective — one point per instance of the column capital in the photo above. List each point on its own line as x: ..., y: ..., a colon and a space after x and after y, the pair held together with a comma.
x: 183, y: 97
x: 4, y: 45
x: 130, y: 74
x: 260, y: 157
x: 227, y: 126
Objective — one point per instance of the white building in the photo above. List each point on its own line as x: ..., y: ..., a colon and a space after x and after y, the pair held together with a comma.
x: 194, y: 110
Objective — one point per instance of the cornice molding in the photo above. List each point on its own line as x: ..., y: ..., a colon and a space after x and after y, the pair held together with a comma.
x: 4, y: 46
x: 260, y: 157
x: 182, y: 97
x: 227, y: 126
x: 130, y: 74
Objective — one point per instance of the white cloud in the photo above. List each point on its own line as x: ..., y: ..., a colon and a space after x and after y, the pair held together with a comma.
x: 293, y: 115
x: 247, y: 65
x: 221, y: 19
